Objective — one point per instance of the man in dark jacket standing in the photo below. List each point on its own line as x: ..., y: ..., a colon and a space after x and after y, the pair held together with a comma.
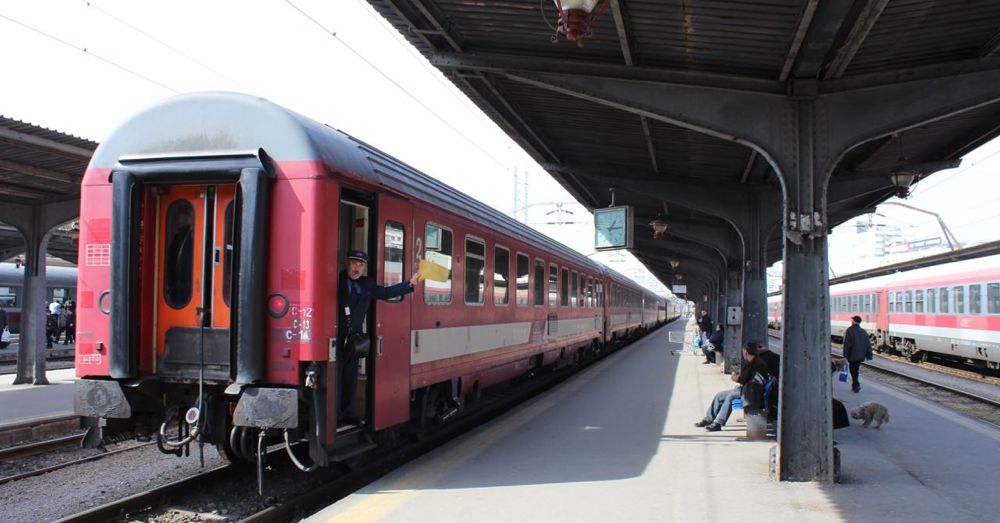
x: 355, y: 296
x: 705, y: 326
x: 857, y: 348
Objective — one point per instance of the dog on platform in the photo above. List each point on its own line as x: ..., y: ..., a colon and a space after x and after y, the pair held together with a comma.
x: 871, y: 411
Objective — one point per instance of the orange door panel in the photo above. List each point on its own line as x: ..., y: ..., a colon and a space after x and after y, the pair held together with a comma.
x: 179, y: 275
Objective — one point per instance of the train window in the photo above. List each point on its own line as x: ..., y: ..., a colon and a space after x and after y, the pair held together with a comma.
x: 943, y: 302
x: 959, y: 293
x: 227, y: 256
x: 575, y: 297
x: 975, y: 299
x: 564, y: 301
x: 178, y: 256
x: 539, y: 282
x: 918, y: 300
x: 553, y: 286
x: 475, y: 270
x: 8, y: 296
x: 590, y: 292
x: 854, y: 304
x: 993, y: 298
x: 521, y: 294
x: 931, y: 300
x: 892, y: 304
x: 501, y: 275
x: 909, y: 301
x: 599, y: 293
x: 392, y: 266
x: 438, y: 248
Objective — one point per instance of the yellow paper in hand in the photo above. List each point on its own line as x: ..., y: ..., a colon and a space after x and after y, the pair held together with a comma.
x: 433, y: 271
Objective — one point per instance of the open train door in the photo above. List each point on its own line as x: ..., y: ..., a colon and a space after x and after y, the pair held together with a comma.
x: 392, y: 317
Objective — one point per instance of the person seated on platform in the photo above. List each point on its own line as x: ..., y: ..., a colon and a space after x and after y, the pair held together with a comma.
x: 773, y: 362
x: 715, y: 342
x: 721, y: 406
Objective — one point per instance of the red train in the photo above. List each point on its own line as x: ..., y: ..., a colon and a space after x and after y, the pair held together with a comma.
x: 950, y: 310
x: 213, y: 227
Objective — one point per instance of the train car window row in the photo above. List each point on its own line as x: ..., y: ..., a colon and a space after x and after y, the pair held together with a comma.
x: 969, y: 299
x: 566, y: 287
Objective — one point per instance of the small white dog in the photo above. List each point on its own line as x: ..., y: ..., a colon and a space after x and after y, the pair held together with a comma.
x: 871, y: 411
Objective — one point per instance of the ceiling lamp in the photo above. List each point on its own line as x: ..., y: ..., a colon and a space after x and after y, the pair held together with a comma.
x: 903, y: 179
x: 577, y: 17
x: 659, y: 228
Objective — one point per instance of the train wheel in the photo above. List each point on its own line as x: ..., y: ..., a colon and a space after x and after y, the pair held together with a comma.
x: 909, y: 350
x: 918, y: 356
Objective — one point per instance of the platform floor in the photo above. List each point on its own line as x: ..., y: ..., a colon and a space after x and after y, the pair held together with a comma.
x: 24, y: 403
x: 617, y: 443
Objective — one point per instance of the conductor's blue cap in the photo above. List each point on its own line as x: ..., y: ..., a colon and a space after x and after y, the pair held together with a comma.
x: 357, y: 255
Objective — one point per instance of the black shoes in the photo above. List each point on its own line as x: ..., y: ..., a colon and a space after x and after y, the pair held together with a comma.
x: 856, y: 388
x: 702, y: 423
x: 713, y: 427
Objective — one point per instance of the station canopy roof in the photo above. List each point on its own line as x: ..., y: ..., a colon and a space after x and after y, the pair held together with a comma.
x: 39, y: 166
x: 491, y: 49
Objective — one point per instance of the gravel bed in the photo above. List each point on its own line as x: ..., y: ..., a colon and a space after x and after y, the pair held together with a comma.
x: 70, y: 490
x: 969, y: 406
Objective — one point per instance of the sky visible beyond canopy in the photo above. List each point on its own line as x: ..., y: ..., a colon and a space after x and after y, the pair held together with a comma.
x: 83, y: 67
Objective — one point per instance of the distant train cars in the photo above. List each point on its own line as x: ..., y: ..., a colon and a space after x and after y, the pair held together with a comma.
x: 213, y: 228
x: 950, y: 310
x: 60, y: 286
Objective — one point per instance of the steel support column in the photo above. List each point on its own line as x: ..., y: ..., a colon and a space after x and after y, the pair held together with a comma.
x: 35, y: 224
x: 734, y: 331
x: 805, y: 431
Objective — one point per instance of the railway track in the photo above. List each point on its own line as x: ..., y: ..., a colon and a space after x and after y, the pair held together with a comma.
x: 318, y: 489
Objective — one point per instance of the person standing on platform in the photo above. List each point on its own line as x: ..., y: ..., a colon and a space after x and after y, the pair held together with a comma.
x: 356, y: 293
x: 705, y: 326
x: 857, y: 348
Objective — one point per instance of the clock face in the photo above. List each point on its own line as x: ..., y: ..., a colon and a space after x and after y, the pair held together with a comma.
x: 610, y: 228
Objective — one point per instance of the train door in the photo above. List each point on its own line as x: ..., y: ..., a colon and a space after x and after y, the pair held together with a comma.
x: 194, y: 260
x: 392, y: 317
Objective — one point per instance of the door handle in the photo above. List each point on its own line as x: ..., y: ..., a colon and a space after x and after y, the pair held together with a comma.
x: 379, y: 346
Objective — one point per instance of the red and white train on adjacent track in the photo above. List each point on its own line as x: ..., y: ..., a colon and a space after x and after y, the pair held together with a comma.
x: 213, y: 227
x: 950, y: 310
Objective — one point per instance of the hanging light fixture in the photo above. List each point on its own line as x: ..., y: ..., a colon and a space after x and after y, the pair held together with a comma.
x: 903, y: 179
x: 577, y: 18
x: 659, y: 228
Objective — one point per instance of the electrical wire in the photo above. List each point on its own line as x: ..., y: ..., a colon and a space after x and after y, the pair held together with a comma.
x: 85, y: 51
x: 166, y: 45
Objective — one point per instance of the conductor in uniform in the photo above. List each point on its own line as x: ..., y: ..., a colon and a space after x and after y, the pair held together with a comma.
x: 356, y: 291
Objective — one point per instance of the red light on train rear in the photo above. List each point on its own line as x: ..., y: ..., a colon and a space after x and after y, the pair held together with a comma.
x: 277, y: 305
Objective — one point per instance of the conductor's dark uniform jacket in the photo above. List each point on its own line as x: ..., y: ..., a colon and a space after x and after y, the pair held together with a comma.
x: 358, y: 295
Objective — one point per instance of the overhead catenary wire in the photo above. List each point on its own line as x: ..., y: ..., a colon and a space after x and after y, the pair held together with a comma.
x: 173, y: 49
x: 89, y: 53
x: 397, y: 84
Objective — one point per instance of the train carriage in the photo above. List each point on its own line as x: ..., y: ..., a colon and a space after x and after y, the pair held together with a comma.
x: 213, y: 228
x: 60, y: 285
x: 950, y: 310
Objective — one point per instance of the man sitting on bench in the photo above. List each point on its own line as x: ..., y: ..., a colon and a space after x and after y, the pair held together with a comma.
x: 721, y: 406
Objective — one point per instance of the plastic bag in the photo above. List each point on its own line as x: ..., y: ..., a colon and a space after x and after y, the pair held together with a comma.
x: 5, y: 336
x: 843, y: 374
